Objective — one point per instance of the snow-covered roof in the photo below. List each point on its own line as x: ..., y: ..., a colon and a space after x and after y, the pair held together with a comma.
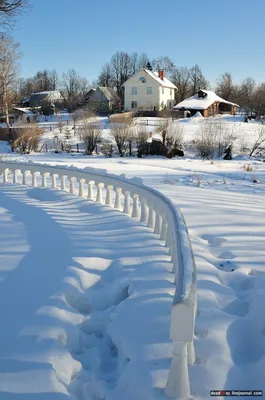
x: 166, y: 82
x: 201, y: 103
x: 110, y: 93
x: 155, y: 75
x: 39, y: 97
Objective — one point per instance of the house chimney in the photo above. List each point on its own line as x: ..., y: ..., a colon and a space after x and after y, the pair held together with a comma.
x: 161, y: 74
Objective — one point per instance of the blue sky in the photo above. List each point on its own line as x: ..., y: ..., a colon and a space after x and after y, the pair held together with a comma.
x: 220, y: 36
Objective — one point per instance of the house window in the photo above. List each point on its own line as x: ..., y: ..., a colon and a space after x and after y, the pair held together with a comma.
x: 149, y: 90
x: 162, y: 90
x: 134, y: 90
x: 162, y: 104
x: 134, y: 104
x: 170, y: 92
x: 170, y: 105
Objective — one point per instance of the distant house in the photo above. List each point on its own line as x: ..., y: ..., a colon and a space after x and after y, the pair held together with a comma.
x: 48, y: 97
x: 89, y: 94
x: 207, y: 103
x: 103, y: 99
x: 149, y: 90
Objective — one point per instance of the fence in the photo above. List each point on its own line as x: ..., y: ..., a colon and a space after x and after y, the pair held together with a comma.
x: 158, y: 213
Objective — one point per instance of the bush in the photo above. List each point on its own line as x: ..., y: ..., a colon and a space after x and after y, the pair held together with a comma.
x: 213, y: 140
x: 107, y: 149
x: 26, y: 139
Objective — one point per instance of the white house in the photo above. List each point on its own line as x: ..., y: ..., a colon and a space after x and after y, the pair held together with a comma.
x: 149, y: 90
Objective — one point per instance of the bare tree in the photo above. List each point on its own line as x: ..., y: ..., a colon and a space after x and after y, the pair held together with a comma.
x: 197, y: 79
x: 74, y: 87
x: 259, y: 144
x: 91, y: 135
x: 9, y: 56
x: 163, y: 129
x: 120, y: 63
x: 106, y: 77
x: 181, y: 78
x: 213, y: 139
x: 164, y: 63
x: 9, y: 9
x: 122, y: 135
x: 60, y: 125
x: 174, y: 139
x: 225, y: 87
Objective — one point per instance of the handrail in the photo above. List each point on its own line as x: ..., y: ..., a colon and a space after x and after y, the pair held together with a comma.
x: 156, y: 211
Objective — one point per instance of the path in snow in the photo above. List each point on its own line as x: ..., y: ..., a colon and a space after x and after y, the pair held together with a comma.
x: 84, y: 307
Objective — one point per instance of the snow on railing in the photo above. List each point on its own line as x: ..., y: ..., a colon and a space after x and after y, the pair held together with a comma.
x: 156, y: 211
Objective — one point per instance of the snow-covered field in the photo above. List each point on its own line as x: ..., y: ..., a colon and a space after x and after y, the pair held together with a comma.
x: 91, y: 290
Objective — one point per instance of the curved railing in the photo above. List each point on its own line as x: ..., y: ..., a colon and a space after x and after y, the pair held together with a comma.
x: 156, y: 211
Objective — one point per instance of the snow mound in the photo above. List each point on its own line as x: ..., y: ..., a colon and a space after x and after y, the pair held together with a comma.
x: 197, y: 115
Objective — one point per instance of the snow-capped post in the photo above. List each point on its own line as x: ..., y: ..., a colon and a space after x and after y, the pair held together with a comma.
x: 108, y: 200
x: 63, y: 184
x: 90, y: 194
x: 158, y: 221
x: 34, y: 179
x: 5, y: 176
x: 144, y: 214
x: 151, y: 216
x: 54, y: 176
x: 127, y: 207
x: 99, y: 198
x: 44, y: 179
x: 117, y: 204
x: 136, y: 210
x: 72, y: 184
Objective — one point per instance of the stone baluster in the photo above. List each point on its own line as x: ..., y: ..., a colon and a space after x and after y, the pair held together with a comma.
x: 5, y: 175
x: 90, y: 194
x: 99, y: 198
x: 117, y: 204
x: 158, y: 223
x: 169, y: 236
x: 24, y: 181
x: 63, y: 182
x: 15, y: 176
x: 109, y: 201
x: 136, y: 209
x: 127, y: 206
x: 54, y: 181
x: 151, y: 217
x: 163, y: 233
x: 81, y: 188
x: 144, y: 214
x: 44, y: 179
x: 72, y: 185
x: 34, y: 179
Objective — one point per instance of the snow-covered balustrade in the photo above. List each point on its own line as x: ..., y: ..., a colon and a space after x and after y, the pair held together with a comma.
x: 157, y: 212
